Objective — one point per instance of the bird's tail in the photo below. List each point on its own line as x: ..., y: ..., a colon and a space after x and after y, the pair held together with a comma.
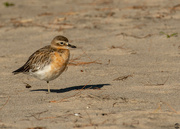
x: 20, y: 70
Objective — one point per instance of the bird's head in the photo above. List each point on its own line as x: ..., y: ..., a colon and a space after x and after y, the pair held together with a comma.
x: 61, y: 42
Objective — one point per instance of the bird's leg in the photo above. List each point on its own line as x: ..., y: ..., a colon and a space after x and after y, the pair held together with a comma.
x: 48, y: 87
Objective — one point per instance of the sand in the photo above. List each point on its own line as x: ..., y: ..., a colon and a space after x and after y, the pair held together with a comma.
x: 123, y: 74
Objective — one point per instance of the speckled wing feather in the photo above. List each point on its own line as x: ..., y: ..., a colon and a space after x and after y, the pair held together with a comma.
x: 37, y: 60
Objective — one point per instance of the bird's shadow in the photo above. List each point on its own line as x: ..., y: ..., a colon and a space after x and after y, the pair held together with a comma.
x: 83, y: 87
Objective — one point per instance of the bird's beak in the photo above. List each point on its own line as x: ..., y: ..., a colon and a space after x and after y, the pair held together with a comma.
x: 72, y: 46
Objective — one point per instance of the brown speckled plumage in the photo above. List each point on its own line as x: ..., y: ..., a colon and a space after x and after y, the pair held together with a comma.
x: 39, y: 59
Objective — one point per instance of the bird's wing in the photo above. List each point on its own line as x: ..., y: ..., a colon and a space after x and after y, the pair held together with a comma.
x: 37, y: 60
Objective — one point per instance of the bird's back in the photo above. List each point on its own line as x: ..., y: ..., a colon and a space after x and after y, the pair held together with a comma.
x: 36, y: 60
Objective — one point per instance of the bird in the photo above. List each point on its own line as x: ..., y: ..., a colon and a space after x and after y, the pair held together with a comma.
x: 48, y: 62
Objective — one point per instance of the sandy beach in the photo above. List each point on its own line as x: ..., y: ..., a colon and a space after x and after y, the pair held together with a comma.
x: 124, y: 73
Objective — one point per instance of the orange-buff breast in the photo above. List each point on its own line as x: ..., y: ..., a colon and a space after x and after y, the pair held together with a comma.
x: 59, y: 62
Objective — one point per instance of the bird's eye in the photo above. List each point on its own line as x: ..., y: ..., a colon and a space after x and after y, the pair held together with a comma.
x: 61, y: 43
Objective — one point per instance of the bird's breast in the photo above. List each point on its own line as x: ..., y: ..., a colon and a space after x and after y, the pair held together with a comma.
x: 59, y: 61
